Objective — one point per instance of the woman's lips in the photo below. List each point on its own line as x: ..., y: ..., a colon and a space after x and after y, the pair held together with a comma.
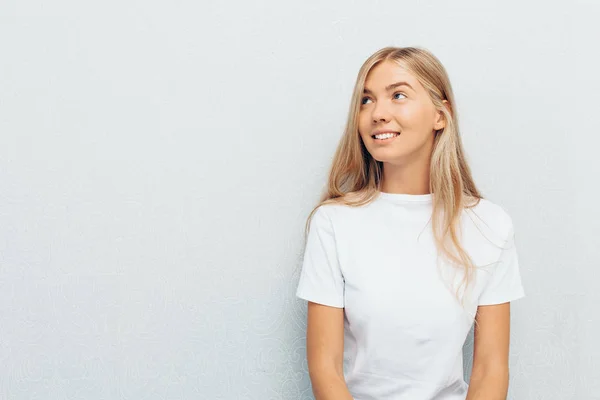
x: 386, y: 140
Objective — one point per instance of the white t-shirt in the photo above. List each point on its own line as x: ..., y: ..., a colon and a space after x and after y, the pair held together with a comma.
x: 404, y: 329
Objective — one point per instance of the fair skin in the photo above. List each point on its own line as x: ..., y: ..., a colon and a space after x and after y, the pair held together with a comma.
x: 325, y: 352
x: 405, y: 109
x: 409, y: 111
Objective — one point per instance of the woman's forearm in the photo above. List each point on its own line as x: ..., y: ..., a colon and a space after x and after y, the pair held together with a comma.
x: 329, y: 386
x: 488, y: 386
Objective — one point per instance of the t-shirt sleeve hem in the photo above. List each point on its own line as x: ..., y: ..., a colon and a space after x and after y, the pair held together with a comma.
x: 488, y: 301
x: 320, y: 300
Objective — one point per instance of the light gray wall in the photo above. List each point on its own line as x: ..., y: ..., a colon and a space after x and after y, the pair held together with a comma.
x: 158, y: 161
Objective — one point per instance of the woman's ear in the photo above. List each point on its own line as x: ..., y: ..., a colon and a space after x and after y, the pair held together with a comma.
x: 440, y: 122
x: 448, y: 106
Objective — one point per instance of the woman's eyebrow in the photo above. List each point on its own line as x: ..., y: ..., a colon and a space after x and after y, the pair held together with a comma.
x: 390, y: 87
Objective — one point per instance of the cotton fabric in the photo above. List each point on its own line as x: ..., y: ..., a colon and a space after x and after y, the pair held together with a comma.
x: 404, y: 328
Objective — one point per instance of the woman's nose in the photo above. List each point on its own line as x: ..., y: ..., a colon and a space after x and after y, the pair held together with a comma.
x: 380, y: 113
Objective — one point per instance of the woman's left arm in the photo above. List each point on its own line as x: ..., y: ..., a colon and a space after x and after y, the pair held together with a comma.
x: 489, y: 377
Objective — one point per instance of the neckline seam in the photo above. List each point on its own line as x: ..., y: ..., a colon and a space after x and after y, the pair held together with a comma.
x: 406, y: 197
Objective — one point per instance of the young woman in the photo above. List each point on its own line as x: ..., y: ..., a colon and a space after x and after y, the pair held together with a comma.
x: 403, y: 254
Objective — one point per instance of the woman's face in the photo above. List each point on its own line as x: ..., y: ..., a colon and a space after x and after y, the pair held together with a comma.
x: 395, y: 101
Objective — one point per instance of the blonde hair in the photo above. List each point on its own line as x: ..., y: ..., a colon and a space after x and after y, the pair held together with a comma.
x: 355, y: 176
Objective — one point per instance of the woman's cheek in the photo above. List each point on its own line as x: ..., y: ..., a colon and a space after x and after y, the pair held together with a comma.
x: 406, y: 114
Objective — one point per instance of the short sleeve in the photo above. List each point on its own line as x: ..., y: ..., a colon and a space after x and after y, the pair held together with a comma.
x: 321, y: 280
x: 505, y: 283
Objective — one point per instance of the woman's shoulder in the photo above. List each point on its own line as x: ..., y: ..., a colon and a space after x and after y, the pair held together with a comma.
x: 343, y: 207
x: 350, y: 200
x: 492, y: 215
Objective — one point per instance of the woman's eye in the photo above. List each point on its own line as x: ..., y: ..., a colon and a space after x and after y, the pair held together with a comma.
x: 400, y: 93
x: 363, y: 100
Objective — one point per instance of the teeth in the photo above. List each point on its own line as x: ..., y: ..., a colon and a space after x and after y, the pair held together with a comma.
x: 386, y: 135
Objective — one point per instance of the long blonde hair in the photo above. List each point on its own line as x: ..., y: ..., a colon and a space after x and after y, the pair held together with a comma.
x: 355, y: 176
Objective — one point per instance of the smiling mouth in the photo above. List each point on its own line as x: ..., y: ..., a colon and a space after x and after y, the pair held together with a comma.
x: 386, y: 136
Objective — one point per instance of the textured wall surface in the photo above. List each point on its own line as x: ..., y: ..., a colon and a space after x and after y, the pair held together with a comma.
x: 158, y: 161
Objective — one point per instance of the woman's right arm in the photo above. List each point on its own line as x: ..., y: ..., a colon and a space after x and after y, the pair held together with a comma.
x: 325, y: 352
